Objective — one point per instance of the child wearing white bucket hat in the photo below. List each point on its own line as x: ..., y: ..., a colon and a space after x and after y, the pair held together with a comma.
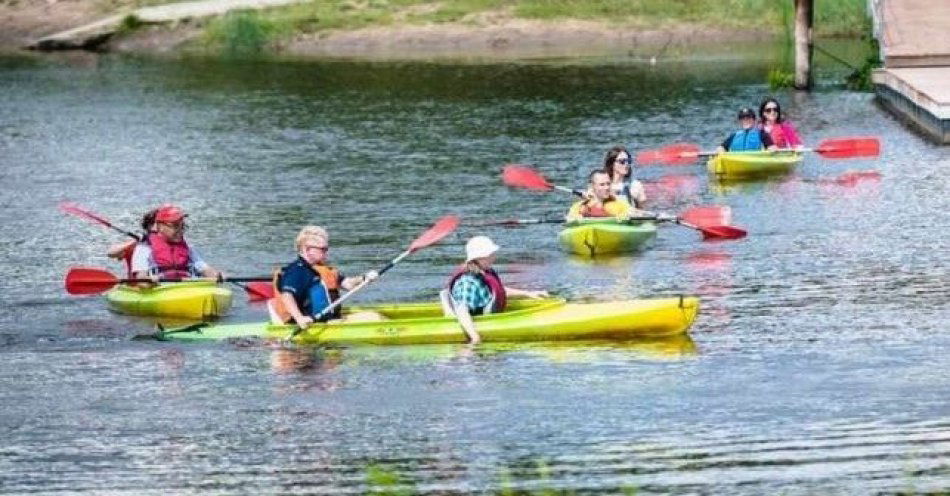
x: 476, y: 289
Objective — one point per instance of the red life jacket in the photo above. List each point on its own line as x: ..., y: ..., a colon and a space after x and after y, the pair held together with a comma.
x: 491, y: 279
x: 171, y: 257
x: 596, y: 211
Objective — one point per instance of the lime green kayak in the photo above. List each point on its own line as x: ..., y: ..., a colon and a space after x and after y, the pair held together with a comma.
x: 525, y: 320
x: 605, y: 236
x: 740, y: 165
x: 193, y: 300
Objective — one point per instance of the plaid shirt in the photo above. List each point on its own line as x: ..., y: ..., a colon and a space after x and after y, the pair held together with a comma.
x: 471, y: 291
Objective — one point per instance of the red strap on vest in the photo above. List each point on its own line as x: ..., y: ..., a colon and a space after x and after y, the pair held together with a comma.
x: 489, y: 277
x: 170, y: 257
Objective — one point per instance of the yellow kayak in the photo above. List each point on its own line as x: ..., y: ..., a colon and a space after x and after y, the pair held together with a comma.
x: 195, y: 300
x: 741, y: 165
x: 605, y: 236
x: 526, y: 320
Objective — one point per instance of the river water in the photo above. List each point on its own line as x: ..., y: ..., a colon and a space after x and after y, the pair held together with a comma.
x: 817, y: 366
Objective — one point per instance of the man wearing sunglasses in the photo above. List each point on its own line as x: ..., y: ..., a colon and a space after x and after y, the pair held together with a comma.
x: 164, y: 254
x: 309, y: 284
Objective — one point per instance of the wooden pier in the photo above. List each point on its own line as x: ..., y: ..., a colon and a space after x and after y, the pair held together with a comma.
x: 914, y: 83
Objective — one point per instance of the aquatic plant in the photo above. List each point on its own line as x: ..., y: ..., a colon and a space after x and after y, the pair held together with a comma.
x: 779, y: 78
x: 860, y: 79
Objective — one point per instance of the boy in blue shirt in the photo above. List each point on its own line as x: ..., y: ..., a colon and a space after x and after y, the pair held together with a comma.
x: 749, y: 138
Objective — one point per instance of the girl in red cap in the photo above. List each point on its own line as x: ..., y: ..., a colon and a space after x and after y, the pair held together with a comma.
x: 164, y: 253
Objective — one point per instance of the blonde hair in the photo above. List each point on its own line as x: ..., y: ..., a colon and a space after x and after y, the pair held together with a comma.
x: 310, y: 232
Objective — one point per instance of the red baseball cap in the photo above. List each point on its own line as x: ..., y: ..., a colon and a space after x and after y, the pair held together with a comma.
x: 169, y: 213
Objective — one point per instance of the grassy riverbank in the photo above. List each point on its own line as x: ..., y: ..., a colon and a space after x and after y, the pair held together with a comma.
x: 250, y: 31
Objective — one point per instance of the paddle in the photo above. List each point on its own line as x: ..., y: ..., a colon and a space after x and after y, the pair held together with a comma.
x: 74, y: 209
x: 92, y: 280
x: 835, y: 148
x: 522, y: 176
x: 442, y: 228
x: 256, y: 290
x: 711, y: 215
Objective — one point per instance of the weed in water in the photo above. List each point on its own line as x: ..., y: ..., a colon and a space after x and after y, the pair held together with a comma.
x: 779, y: 78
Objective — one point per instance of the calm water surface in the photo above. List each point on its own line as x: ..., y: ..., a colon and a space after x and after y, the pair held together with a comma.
x: 818, y: 364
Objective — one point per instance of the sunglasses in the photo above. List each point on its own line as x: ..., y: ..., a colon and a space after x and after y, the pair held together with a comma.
x: 770, y: 109
x: 625, y: 161
x: 175, y: 225
x: 321, y: 248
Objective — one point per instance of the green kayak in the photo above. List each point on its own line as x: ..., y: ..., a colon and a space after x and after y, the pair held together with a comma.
x: 605, y: 236
x: 525, y: 320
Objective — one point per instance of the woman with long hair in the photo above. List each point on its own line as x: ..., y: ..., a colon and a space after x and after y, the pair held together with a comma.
x: 617, y: 164
x: 771, y: 120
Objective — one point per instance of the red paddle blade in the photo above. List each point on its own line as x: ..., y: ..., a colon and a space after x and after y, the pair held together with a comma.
x: 259, y: 290
x: 83, y: 281
x: 722, y: 232
x: 679, y: 154
x: 712, y: 215
x: 442, y: 228
x: 73, y: 209
x: 522, y: 176
x: 849, y: 148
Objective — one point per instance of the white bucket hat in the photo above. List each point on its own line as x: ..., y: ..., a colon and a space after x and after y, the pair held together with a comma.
x: 479, y: 247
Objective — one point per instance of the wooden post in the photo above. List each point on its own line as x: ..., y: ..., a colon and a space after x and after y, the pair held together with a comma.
x: 804, y: 16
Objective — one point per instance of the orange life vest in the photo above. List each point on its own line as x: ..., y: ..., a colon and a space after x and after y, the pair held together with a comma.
x: 329, y: 279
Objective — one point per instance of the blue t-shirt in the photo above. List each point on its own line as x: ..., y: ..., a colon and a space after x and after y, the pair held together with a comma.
x: 300, y: 280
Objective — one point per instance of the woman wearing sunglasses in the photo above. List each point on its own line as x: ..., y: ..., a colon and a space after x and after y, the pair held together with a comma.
x: 622, y: 184
x: 782, y: 132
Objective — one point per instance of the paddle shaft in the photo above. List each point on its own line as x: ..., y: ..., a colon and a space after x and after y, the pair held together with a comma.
x: 361, y: 285
x: 123, y: 231
x: 197, y: 279
x: 568, y: 190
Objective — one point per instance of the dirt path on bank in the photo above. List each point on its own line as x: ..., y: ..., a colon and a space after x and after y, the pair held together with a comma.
x: 22, y: 21
x: 493, y: 35
x: 508, y: 38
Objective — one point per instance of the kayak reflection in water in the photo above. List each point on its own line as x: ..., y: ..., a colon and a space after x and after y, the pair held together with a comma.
x: 600, y: 201
x: 308, y: 285
x: 476, y: 289
x: 123, y: 251
x: 164, y: 253
x: 617, y: 165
